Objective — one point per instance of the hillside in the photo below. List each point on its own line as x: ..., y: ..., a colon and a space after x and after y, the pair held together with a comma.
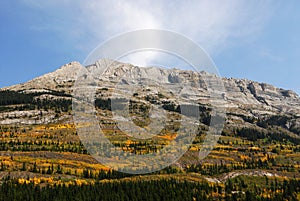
x: 259, y: 145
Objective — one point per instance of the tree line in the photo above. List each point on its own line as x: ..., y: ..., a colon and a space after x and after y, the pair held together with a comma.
x: 152, y: 190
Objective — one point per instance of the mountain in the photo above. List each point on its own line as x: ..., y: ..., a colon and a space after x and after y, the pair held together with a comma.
x: 246, y: 100
x: 257, y: 154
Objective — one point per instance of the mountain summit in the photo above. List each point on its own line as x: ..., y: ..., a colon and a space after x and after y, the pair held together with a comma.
x: 247, y: 102
x: 240, y: 93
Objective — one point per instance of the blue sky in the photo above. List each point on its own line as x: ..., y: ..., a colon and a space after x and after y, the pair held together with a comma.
x: 257, y: 40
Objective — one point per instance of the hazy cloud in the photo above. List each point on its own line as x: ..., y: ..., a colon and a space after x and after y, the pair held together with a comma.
x: 212, y: 24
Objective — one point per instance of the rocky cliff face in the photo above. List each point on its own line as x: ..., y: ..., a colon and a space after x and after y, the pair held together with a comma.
x: 60, y: 80
x: 247, y: 102
x: 239, y: 92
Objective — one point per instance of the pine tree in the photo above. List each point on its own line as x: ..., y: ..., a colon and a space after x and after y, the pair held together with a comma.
x: 23, y: 167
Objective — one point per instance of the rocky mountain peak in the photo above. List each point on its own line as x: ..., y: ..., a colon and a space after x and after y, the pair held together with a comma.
x: 240, y: 93
x: 60, y: 80
x: 246, y: 101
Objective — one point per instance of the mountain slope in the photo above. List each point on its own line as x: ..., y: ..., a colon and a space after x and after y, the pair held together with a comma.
x: 239, y: 92
x: 259, y: 147
x: 247, y: 101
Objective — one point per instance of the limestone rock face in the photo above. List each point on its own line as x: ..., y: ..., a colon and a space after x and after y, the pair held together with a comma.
x: 244, y: 99
x: 60, y: 80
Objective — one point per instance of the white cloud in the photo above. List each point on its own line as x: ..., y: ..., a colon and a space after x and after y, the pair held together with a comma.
x: 212, y: 24
x: 142, y: 58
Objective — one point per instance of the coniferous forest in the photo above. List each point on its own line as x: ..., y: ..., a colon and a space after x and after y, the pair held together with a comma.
x: 164, y: 189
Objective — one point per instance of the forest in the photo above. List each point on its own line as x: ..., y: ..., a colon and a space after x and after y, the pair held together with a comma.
x: 164, y: 189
